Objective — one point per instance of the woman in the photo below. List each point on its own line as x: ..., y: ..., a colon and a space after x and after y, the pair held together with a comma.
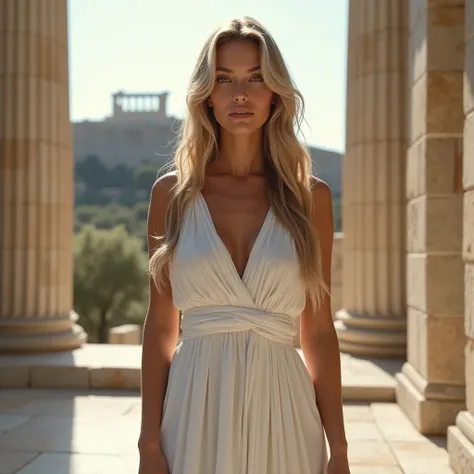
x: 242, y: 248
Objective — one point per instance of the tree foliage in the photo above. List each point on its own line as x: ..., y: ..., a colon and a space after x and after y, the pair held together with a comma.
x: 97, y: 177
x: 144, y: 176
x: 110, y: 280
x: 92, y: 172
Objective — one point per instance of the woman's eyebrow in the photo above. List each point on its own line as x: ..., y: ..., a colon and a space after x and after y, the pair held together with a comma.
x: 225, y: 69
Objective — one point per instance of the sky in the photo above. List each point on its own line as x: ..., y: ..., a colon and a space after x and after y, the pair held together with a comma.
x: 152, y: 46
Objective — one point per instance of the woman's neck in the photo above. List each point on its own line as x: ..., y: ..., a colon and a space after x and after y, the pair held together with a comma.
x: 240, y: 155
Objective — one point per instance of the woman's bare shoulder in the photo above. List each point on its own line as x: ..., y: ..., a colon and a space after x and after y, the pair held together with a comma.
x: 164, y: 184
x: 320, y: 191
x: 322, y: 214
x: 159, y: 200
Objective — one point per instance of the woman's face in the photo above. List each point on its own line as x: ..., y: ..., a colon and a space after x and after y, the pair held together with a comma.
x: 240, y: 99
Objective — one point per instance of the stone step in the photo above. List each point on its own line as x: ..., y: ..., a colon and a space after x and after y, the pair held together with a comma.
x: 117, y: 366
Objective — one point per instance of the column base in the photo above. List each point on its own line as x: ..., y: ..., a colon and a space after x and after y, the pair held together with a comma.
x: 19, y: 336
x: 431, y: 407
x: 461, y: 444
x: 373, y: 336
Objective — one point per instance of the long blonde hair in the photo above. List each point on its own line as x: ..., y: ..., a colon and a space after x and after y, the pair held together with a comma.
x: 287, y: 162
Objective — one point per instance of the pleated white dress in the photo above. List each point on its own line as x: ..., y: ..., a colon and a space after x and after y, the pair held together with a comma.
x: 239, y: 398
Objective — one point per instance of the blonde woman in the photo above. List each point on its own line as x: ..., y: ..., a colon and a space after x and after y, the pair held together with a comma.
x: 240, y: 240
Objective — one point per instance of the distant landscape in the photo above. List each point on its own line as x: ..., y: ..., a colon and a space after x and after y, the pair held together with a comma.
x: 110, y: 196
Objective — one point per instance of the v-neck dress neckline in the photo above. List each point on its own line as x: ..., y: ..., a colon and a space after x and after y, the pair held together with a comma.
x: 260, y: 237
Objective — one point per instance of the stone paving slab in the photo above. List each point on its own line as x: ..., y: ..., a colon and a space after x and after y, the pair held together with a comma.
x: 117, y: 366
x: 45, y: 431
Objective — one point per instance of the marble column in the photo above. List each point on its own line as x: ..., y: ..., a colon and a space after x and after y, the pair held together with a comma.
x: 36, y: 180
x: 430, y: 389
x: 372, y: 321
x: 461, y: 436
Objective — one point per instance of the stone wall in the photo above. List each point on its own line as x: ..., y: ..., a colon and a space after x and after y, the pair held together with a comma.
x: 430, y: 388
x: 125, y: 334
x: 461, y: 436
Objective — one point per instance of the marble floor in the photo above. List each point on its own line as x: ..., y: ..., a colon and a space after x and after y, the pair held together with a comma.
x: 64, y: 431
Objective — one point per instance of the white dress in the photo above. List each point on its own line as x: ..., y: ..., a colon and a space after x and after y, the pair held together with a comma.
x: 239, y: 398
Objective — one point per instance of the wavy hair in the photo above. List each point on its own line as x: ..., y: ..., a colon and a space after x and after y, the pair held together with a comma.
x: 287, y: 161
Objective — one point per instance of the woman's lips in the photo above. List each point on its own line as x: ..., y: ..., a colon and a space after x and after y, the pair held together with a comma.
x: 241, y: 115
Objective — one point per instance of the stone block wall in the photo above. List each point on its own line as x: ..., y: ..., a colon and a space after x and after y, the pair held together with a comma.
x: 430, y: 388
x: 461, y: 436
x: 125, y: 334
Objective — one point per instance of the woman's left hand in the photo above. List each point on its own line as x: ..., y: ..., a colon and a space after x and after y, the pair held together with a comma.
x: 339, y: 464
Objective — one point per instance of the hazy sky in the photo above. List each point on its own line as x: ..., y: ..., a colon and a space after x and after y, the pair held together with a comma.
x: 152, y: 45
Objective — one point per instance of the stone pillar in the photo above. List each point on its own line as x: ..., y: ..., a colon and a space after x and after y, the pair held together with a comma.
x: 372, y: 321
x: 461, y: 436
x: 430, y: 388
x: 36, y: 180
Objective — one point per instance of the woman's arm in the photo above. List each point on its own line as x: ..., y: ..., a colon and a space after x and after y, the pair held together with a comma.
x: 160, y: 332
x: 318, y: 336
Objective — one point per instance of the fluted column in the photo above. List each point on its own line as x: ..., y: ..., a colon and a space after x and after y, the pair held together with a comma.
x: 430, y: 389
x: 461, y: 436
x: 36, y: 179
x: 373, y: 319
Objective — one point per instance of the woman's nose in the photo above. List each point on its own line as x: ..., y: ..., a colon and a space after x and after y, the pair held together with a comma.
x: 240, y: 97
x: 240, y: 94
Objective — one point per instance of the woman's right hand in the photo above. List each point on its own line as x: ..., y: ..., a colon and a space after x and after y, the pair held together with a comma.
x: 152, y: 461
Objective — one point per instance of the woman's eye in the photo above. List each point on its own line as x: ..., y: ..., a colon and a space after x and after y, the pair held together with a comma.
x: 222, y: 79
